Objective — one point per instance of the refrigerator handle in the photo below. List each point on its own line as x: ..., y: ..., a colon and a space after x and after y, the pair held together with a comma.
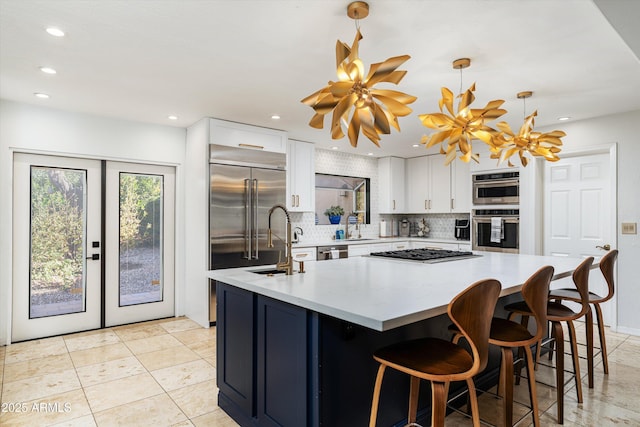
x: 255, y: 217
x: 247, y: 219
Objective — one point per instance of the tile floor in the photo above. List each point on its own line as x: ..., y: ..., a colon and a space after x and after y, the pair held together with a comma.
x: 162, y: 373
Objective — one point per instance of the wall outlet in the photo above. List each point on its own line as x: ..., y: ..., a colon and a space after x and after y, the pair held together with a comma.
x: 629, y: 228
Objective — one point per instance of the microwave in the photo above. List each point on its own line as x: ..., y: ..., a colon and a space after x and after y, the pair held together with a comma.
x: 497, y: 188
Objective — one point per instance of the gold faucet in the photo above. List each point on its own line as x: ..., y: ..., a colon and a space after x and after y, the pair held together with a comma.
x: 288, y: 264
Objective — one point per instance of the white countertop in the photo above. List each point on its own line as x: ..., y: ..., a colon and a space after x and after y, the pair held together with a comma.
x: 383, y: 293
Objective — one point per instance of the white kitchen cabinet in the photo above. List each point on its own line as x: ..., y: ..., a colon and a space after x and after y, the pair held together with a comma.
x: 239, y: 135
x: 359, y: 250
x: 461, y: 193
x: 300, y: 176
x: 432, y: 187
x: 391, y: 188
x: 380, y: 247
x: 303, y: 254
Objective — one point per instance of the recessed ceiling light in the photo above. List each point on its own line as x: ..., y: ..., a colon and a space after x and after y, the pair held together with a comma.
x: 172, y: 117
x: 56, y: 32
x: 369, y: 154
x: 48, y: 70
x: 416, y: 145
x: 563, y: 119
x: 275, y: 117
x: 41, y: 95
x: 334, y: 148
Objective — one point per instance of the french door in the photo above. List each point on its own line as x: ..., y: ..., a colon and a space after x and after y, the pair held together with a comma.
x: 92, y: 244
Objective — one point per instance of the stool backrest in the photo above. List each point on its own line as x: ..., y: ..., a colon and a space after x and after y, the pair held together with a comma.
x: 536, y: 294
x: 607, y: 263
x: 581, y: 280
x: 471, y: 311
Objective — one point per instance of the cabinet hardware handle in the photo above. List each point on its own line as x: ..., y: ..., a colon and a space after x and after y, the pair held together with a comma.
x: 301, y: 255
x: 425, y: 204
x: 259, y: 147
x: 452, y: 204
x: 394, y: 205
x: 297, y: 201
x: 293, y: 201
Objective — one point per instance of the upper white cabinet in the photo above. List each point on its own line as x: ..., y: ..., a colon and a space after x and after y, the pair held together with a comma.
x: 433, y: 187
x: 249, y: 137
x: 391, y: 190
x: 300, y: 176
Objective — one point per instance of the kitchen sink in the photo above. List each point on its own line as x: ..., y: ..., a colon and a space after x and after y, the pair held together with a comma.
x: 269, y: 272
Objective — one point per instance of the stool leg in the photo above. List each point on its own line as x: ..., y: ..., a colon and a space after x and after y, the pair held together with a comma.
x: 376, y: 396
x: 575, y: 357
x: 589, y: 328
x: 507, y: 385
x: 559, y: 337
x: 603, y: 341
x: 533, y: 396
x: 473, y: 397
x: 414, y: 391
x: 438, y: 403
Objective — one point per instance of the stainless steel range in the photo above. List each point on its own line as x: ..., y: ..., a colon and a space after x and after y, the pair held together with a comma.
x: 426, y: 255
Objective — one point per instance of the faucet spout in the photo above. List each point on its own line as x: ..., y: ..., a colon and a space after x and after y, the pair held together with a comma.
x: 287, y: 265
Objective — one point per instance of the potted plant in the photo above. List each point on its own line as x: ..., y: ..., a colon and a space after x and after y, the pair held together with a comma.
x: 334, y: 213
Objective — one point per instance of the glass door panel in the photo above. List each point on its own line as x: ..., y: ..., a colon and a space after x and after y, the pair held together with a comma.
x: 141, y: 233
x: 58, y: 240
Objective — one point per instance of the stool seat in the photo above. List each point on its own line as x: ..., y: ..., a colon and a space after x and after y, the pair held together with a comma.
x: 425, y: 356
x: 555, y: 311
x: 508, y: 332
x: 574, y: 295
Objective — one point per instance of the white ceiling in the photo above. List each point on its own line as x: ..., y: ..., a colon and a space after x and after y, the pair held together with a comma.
x: 244, y: 60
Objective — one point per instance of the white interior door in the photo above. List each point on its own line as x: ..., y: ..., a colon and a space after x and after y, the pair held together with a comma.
x: 56, y: 276
x: 140, y: 213
x: 579, y: 212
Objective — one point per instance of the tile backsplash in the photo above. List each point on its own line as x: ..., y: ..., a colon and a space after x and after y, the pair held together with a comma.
x: 441, y: 226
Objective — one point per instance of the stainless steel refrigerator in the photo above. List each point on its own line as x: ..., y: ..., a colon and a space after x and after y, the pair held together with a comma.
x: 244, y: 185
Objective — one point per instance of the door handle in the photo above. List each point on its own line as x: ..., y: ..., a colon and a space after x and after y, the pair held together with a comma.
x: 94, y: 257
x: 606, y: 247
x: 255, y: 217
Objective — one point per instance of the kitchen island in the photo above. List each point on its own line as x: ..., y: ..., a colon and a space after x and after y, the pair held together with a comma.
x: 296, y: 350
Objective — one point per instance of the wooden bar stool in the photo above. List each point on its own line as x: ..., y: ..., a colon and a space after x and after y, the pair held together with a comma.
x: 441, y: 361
x: 508, y: 335
x: 607, y: 263
x: 556, y: 314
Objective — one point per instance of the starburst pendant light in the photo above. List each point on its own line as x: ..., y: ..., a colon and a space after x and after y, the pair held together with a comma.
x: 456, y: 131
x: 356, y: 103
x: 539, y: 144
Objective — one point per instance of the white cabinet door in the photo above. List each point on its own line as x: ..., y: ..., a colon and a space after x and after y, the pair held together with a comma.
x: 418, y: 182
x: 303, y: 254
x: 460, y: 187
x: 300, y: 176
x: 440, y: 185
x: 250, y: 137
x: 391, y: 189
x: 358, y: 250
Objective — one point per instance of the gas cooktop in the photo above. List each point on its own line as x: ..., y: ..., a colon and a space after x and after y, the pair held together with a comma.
x: 426, y: 255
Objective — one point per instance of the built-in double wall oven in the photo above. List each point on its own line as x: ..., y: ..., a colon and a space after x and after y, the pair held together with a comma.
x: 496, y: 217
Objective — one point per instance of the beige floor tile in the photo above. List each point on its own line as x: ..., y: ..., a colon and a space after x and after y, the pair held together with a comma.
x: 139, y: 331
x: 192, y: 336
x: 58, y: 409
x: 204, y: 348
x: 153, y: 411
x: 86, y: 421
x: 217, y: 418
x: 186, y: 423
x: 175, y: 377
x: 196, y: 399
x: 167, y: 357
x: 93, y: 340
x: 180, y: 324
x: 108, y: 371
x: 147, y: 345
x: 92, y: 356
x: 119, y: 392
x: 37, y: 367
x: 210, y: 360
x: 36, y: 349
x: 40, y: 387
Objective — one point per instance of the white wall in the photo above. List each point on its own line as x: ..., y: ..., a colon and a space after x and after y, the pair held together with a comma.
x: 620, y: 129
x: 35, y: 129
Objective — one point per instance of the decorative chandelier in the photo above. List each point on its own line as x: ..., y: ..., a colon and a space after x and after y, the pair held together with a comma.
x: 539, y: 144
x: 355, y: 103
x: 456, y: 131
